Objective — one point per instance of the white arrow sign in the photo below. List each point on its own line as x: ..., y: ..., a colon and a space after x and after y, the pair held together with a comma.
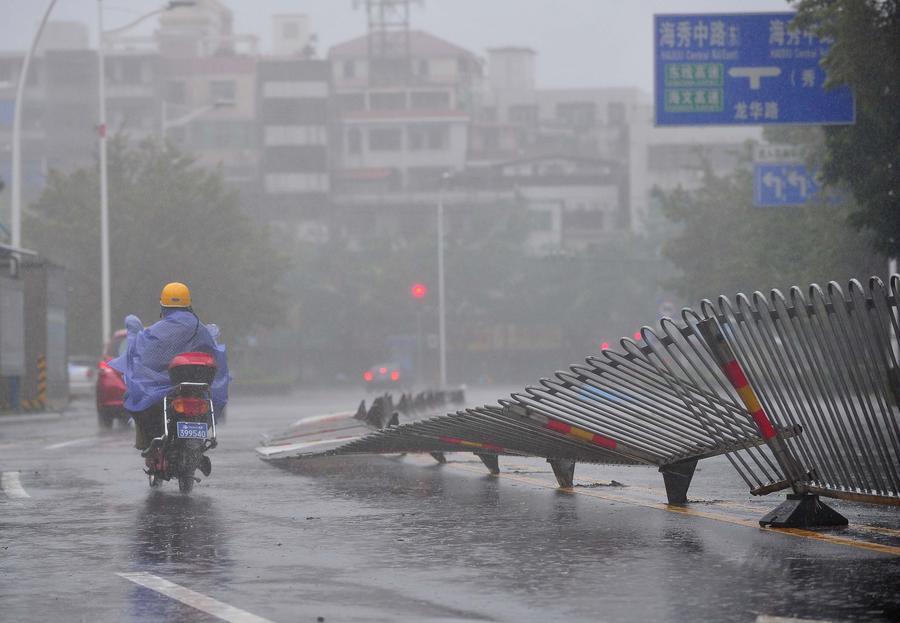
x: 754, y: 74
x: 774, y: 181
x: 798, y: 181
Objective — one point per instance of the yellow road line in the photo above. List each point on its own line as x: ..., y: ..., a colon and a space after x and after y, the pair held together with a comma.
x: 737, y: 505
x: 682, y: 510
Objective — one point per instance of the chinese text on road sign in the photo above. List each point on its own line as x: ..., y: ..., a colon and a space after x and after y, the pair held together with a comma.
x: 742, y: 69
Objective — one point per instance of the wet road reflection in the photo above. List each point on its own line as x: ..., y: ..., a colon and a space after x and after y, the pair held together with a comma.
x: 177, y: 536
x: 402, y: 539
x: 179, y: 529
x: 562, y: 550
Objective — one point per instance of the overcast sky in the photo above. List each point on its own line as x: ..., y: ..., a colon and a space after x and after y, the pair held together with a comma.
x: 580, y: 43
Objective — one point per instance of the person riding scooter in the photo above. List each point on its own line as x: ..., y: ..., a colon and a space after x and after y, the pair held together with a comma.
x: 146, y: 359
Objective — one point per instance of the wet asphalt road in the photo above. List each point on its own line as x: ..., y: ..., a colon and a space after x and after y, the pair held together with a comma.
x: 403, y: 539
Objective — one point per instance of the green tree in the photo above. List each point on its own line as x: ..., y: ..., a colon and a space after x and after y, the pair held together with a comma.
x: 352, y: 296
x: 724, y: 244
x: 170, y: 220
x: 865, y: 156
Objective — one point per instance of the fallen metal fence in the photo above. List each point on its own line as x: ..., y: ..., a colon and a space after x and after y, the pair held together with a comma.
x: 317, y: 434
x: 798, y: 392
x: 646, y: 406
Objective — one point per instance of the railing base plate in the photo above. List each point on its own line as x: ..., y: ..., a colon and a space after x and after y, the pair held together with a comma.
x: 564, y: 470
x: 490, y: 461
x: 802, y: 511
x: 677, y: 479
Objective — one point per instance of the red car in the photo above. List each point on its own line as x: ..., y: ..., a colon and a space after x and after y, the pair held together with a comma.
x: 110, y: 384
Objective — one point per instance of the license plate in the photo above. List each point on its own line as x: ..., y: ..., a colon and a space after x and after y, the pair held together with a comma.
x: 192, y: 430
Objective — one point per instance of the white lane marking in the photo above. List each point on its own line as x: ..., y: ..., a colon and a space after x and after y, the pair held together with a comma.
x: 192, y: 598
x: 71, y: 442
x: 764, y: 618
x: 12, y: 486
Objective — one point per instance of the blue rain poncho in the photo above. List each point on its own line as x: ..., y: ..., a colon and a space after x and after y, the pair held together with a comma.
x: 145, y: 364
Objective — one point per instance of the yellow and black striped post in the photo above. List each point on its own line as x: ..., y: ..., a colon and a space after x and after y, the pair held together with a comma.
x: 722, y: 352
x: 41, y: 402
x: 38, y: 400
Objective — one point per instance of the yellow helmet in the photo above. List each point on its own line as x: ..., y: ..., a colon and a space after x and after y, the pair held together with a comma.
x: 175, y: 294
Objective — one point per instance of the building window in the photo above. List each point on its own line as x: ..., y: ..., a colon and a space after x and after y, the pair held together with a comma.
x: 424, y: 178
x: 281, y: 183
x: 526, y: 114
x: 222, y: 134
x: 577, y: 114
x: 540, y: 220
x: 387, y: 101
x: 428, y: 137
x: 352, y: 102
x: 584, y: 220
x: 383, y: 139
x: 616, y: 112
x: 290, y: 30
x: 349, y: 69
x: 354, y: 141
x: 225, y: 90
x: 422, y: 69
x: 430, y: 100
x: 6, y: 72
x: 175, y: 92
x: 491, y: 139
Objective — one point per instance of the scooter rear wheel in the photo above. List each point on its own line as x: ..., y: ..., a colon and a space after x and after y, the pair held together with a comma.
x: 186, y: 484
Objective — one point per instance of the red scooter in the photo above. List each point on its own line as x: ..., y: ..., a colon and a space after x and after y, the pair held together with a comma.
x: 189, y: 424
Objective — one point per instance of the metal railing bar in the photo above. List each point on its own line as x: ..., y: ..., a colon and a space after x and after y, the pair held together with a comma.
x: 846, y: 424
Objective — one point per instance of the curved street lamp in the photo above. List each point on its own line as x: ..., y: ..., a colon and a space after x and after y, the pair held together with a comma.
x: 16, y: 203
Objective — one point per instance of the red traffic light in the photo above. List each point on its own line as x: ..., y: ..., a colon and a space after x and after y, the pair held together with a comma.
x: 418, y: 290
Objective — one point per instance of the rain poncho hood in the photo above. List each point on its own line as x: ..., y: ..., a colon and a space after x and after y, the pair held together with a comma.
x: 145, y: 364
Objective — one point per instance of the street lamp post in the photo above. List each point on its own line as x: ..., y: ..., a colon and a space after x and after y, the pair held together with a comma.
x: 104, y: 191
x: 105, y: 298
x: 442, y: 320
x: 15, y: 216
x: 419, y: 291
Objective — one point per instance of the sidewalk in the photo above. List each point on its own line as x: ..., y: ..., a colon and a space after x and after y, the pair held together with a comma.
x: 18, y: 418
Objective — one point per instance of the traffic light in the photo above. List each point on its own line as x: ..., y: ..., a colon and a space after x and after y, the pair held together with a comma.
x: 418, y: 290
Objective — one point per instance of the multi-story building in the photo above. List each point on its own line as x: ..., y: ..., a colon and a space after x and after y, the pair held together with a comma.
x: 370, y: 132
x: 403, y: 133
x: 293, y: 118
x: 666, y: 158
x: 60, y: 108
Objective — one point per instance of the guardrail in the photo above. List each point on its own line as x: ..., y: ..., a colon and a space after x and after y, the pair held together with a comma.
x: 824, y: 362
x: 798, y: 392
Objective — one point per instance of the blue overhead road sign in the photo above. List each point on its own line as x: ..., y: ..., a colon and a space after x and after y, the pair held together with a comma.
x: 742, y: 69
x: 777, y: 185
